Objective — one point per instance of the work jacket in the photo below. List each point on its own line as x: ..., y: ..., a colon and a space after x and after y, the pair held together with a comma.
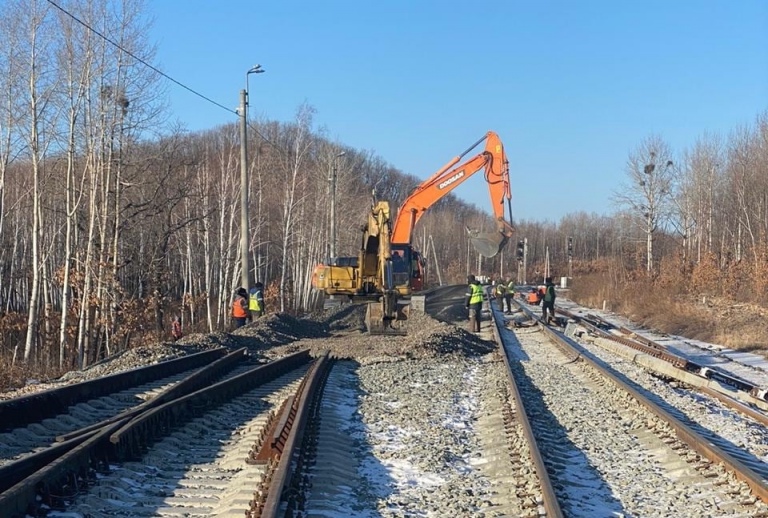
x: 475, y: 294
x: 549, y: 293
x: 239, y: 307
x: 256, y: 300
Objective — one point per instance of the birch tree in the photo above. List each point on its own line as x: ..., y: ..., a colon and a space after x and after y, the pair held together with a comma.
x: 300, y: 142
x: 41, y: 80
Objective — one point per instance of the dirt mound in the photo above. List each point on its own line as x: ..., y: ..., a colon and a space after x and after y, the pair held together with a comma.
x: 281, y: 328
x: 340, y: 331
x: 426, y: 338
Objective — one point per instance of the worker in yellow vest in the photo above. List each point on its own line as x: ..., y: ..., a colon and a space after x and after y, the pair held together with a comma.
x: 256, y: 300
x: 509, y: 295
x: 474, y: 302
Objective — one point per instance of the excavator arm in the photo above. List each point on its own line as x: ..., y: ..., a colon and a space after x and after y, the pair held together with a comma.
x: 493, y: 161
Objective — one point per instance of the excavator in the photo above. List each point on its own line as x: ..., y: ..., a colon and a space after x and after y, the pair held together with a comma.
x: 388, y: 269
x: 379, y: 276
x: 494, y: 162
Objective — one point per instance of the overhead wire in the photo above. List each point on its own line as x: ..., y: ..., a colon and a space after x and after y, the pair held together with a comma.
x: 137, y: 58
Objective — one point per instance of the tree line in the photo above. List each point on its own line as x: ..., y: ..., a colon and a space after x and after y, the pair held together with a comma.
x: 109, y: 227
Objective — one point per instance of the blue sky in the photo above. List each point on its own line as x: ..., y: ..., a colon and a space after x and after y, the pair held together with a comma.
x: 570, y: 87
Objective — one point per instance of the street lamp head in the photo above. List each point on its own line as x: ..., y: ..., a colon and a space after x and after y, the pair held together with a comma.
x: 256, y: 69
x: 341, y: 154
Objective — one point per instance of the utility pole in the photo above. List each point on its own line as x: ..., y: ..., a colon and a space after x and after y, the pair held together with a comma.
x: 525, y: 260
x: 332, y: 179
x: 244, y: 230
x: 244, y: 219
x: 437, y: 265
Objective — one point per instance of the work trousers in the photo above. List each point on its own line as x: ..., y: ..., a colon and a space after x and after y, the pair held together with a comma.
x: 474, y: 316
x: 547, y: 305
x: 238, y: 322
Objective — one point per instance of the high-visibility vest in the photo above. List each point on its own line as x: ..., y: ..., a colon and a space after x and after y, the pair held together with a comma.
x: 500, y: 289
x: 477, y: 294
x: 511, y: 287
x: 254, y: 300
x: 238, y: 311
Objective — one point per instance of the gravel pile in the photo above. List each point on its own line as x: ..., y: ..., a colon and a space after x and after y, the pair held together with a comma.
x: 278, y: 334
x: 273, y: 329
x: 426, y: 338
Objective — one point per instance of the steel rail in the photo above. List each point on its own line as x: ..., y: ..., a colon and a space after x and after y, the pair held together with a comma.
x: 32, y: 408
x: 16, y: 471
x: 631, y: 339
x: 195, y: 381
x: 38, y: 488
x: 290, y: 432
x: 128, y: 438
x: 551, y: 504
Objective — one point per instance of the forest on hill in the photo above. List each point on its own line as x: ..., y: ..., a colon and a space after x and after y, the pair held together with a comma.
x: 110, y: 227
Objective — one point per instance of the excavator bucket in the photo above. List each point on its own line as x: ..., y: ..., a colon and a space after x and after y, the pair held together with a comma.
x: 487, y: 244
x: 379, y: 323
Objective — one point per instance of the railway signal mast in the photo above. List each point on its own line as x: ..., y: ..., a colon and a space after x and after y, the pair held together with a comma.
x: 522, y: 252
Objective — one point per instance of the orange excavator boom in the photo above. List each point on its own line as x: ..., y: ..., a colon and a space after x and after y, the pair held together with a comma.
x: 492, y: 160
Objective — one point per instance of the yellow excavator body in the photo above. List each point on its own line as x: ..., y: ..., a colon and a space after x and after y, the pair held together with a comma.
x: 380, y: 275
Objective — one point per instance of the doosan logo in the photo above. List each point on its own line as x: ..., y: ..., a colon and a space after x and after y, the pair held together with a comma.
x: 450, y: 180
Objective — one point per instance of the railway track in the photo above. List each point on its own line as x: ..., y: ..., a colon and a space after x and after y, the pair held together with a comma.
x: 593, y: 416
x: 530, y: 429
x: 33, y: 408
x: 502, y: 475
x: 52, y: 477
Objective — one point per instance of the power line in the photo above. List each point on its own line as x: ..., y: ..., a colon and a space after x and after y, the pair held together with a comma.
x: 134, y: 56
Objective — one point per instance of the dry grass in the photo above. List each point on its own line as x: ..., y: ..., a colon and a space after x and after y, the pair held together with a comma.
x: 11, y: 376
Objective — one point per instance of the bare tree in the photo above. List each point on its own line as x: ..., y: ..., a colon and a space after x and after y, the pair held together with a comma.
x: 34, y: 21
x: 647, y: 194
x: 300, y: 145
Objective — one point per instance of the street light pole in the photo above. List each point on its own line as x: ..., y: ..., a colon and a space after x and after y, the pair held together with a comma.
x: 332, y: 179
x: 244, y: 219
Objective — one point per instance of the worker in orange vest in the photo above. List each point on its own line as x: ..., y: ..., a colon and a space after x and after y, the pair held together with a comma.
x: 240, y: 311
